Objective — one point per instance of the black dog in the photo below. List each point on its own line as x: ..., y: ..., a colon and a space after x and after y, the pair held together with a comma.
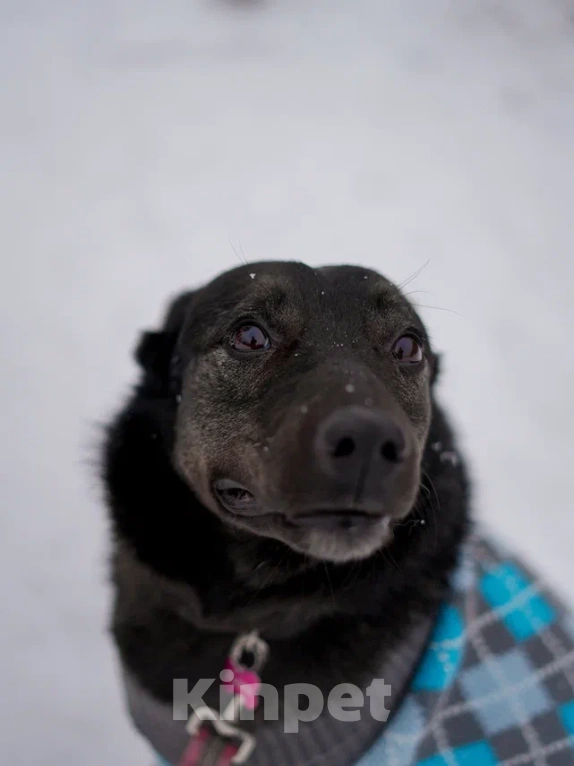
x: 277, y: 470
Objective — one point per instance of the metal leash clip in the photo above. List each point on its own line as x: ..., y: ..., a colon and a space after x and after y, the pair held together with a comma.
x: 208, y: 729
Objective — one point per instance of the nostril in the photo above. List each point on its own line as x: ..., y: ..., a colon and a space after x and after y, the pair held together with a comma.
x: 390, y: 452
x: 344, y: 448
x: 358, y: 445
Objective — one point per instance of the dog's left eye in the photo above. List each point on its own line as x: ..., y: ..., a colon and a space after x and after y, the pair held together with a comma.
x: 250, y: 337
x: 408, y: 349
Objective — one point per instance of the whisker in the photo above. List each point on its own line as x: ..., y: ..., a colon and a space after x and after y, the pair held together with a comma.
x: 387, y: 555
x: 434, y: 511
x: 330, y: 583
x: 415, y: 275
x: 413, y: 292
x: 438, y: 308
x: 242, y: 259
x: 352, y: 571
x: 267, y: 581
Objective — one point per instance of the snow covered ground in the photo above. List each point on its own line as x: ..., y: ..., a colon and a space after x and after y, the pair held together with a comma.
x: 142, y: 142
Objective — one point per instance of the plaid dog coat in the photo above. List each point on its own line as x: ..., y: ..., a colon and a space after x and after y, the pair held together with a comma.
x: 494, y: 686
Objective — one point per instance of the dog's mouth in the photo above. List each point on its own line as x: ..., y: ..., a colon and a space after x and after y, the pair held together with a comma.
x: 240, y: 501
x: 328, y: 532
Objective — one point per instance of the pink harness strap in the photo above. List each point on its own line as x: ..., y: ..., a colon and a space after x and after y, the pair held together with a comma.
x: 200, y: 746
x: 217, y: 739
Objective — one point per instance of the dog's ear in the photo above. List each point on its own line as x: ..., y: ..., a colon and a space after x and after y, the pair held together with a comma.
x: 435, y: 367
x: 156, y: 351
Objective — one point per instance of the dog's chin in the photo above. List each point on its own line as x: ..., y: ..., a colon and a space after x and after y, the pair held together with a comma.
x: 337, y: 546
x: 341, y: 546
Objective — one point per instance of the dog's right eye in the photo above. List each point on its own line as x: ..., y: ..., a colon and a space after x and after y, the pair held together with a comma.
x: 249, y: 337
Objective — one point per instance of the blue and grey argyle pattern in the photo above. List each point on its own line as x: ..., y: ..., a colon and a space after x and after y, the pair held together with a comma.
x: 496, y: 684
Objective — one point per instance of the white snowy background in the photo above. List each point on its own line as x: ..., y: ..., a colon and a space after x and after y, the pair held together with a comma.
x: 142, y: 142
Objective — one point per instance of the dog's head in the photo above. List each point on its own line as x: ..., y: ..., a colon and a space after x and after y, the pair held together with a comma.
x: 304, y: 403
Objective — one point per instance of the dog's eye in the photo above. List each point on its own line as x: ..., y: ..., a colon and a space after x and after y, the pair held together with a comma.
x: 408, y: 349
x: 250, y: 337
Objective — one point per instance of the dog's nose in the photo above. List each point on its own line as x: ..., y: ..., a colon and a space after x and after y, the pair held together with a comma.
x: 354, y: 443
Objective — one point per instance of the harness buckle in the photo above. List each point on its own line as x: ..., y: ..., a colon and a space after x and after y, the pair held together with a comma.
x: 226, y: 730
